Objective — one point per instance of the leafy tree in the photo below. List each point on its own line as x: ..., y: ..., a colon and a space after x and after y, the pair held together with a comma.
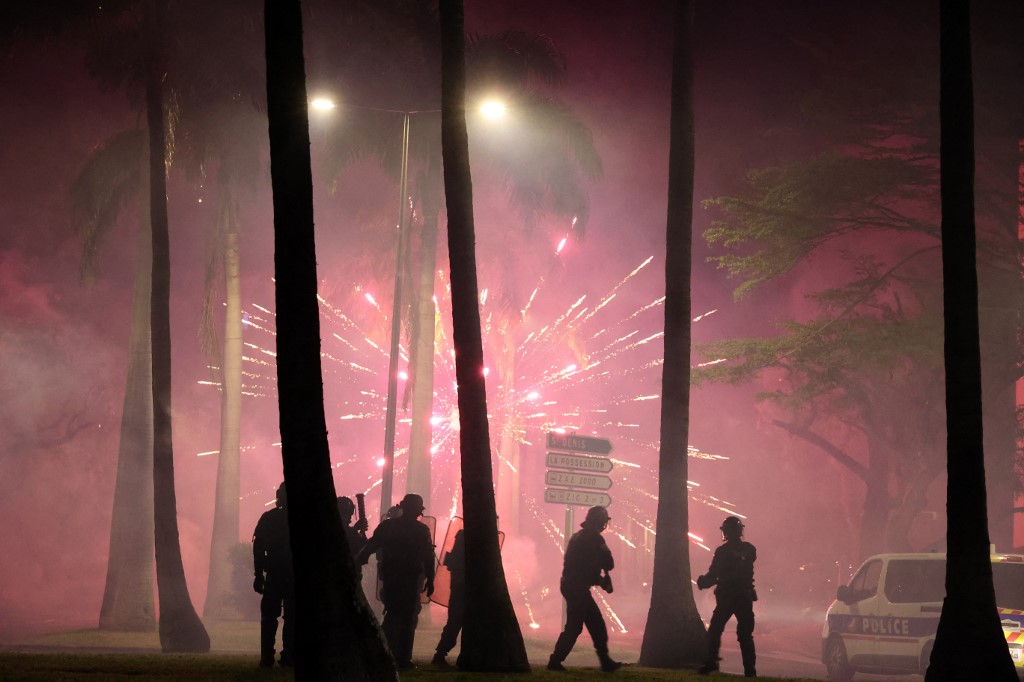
x: 675, y: 636
x: 491, y: 639
x: 969, y: 643
x: 874, y: 343
x: 337, y: 635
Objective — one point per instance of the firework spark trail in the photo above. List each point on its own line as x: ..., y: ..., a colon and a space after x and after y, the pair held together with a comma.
x: 611, y: 614
x: 356, y: 354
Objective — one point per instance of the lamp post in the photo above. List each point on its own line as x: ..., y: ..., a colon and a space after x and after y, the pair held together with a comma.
x: 387, y: 476
x: 492, y: 109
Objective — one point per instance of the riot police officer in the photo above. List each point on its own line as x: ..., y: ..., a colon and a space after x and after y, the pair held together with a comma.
x: 354, y: 533
x: 732, y: 571
x: 455, y: 562
x: 406, y: 568
x: 272, y: 561
x: 587, y: 562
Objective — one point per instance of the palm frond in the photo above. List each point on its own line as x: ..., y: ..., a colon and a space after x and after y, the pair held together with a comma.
x: 511, y: 58
x: 111, y: 180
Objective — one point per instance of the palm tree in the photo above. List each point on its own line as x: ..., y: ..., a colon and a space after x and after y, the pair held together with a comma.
x: 674, y: 636
x: 337, y: 636
x: 111, y: 181
x: 180, y: 627
x: 128, y: 47
x: 969, y: 644
x: 491, y: 640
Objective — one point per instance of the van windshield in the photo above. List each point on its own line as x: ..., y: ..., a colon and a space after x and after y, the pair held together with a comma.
x: 1009, y: 581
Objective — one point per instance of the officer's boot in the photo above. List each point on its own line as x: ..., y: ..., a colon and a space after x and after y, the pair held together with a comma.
x: 749, y: 657
x: 555, y: 663
x: 268, y: 633
x: 439, y: 660
x: 608, y: 664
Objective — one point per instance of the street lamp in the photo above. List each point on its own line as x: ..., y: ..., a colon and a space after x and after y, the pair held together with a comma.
x: 491, y: 109
x: 388, y: 474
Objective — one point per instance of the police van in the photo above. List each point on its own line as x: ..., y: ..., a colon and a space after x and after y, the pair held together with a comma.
x: 884, y: 621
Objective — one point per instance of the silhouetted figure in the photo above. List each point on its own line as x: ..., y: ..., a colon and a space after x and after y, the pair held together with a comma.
x: 455, y: 562
x: 272, y: 560
x: 587, y: 562
x: 354, y: 533
x: 732, y: 570
x: 406, y: 568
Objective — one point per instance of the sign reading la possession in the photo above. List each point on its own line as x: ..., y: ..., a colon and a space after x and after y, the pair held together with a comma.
x: 596, y: 465
x: 571, y: 479
x: 573, y: 443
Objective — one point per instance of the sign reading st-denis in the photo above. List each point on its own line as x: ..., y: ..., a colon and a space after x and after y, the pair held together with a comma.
x: 573, y: 443
x: 583, y: 498
x: 572, y: 479
x: 595, y: 465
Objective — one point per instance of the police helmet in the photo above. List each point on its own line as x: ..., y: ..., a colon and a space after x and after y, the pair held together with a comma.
x: 732, y: 527
x: 597, y: 517
x: 346, y: 506
x: 412, y: 504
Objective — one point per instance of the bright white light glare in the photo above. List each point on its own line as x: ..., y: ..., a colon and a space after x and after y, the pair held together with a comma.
x: 435, y: 420
x: 532, y: 395
x: 403, y: 375
x: 370, y: 298
x: 322, y: 104
x: 492, y: 109
x: 487, y: 370
x: 561, y: 245
x: 535, y: 625
x: 381, y: 462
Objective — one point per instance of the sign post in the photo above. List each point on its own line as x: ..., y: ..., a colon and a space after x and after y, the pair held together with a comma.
x: 578, y: 475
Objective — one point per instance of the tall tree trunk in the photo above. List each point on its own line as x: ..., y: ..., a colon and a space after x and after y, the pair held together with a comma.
x: 422, y: 353
x: 674, y: 636
x: 969, y: 644
x: 180, y: 627
x: 128, y: 594
x: 491, y: 638
x: 337, y: 635
x: 225, y: 512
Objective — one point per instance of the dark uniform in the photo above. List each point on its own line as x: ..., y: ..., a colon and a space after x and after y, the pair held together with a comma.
x: 586, y: 557
x: 272, y: 561
x: 732, y: 570
x: 455, y: 562
x: 406, y: 558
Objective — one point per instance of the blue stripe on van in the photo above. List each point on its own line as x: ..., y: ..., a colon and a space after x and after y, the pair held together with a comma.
x: 884, y: 626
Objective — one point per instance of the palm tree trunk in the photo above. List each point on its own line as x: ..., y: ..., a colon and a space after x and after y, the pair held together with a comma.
x: 225, y: 514
x: 180, y: 627
x: 674, y: 636
x: 337, y: 635
x: 128, y: 595
x: 969, y: 644
x: 421, y: 433
x: 491, y: 639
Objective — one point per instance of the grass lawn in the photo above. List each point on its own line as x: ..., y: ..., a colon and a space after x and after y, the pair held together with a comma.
x: 95, y: 667
x: 95, y: 655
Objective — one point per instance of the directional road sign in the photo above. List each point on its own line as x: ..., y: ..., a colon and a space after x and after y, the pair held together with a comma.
x: 572, y: 479
x: 596, y: 465
x: 583, y: 498
x: 574, y: 443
